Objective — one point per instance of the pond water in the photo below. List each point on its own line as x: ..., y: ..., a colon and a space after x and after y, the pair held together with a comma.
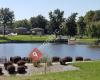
x: 51, y: 49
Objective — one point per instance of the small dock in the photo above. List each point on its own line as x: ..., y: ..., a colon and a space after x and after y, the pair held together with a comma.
x: 61, y: 39
x: 71, y: 42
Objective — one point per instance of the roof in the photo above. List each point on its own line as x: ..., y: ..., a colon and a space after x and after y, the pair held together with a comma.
x: 37, y: 29
x: 21, y: 28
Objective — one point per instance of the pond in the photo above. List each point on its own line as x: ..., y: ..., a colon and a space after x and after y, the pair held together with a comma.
x: 51, y: 49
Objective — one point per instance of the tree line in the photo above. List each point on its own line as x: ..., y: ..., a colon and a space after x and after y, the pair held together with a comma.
x: 88, y: 25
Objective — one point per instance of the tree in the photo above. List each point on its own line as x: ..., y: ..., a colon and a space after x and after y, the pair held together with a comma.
x: 33, y: 21
x: 81, y: 26
x: 96, y: 16
x: 56, y: 19
x: 39, y: 22
x: 71, y: 25
x: 94, y: 30
x: 6, y: 17
x: 89, y: 17
x: 42, y: 22
x: 22, y: 23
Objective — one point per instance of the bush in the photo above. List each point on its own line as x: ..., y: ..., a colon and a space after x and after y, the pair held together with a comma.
x: 21, y: 70
x: 1, y: 73
x: 21, y: 63
x: 11, y: 69
x: 79, y: 58
x: 26, y: 59
x: 49, y: 63
x: 55, y: 59
x: 68, y: 59
x: 7, y: 64
x: 15, y: 59
x: 36, y: 64
x: 43, y: 59
x: 62, y: 62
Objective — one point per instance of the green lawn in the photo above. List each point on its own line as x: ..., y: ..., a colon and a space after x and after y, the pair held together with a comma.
x: 88, y: 71
x: 36, y: 38
x: 86, y: 40
x: 26, y: 38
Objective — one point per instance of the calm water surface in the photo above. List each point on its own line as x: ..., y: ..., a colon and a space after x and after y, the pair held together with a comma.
x: 51, y: 49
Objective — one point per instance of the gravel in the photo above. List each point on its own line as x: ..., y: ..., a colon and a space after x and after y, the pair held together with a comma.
x: 56, y: 67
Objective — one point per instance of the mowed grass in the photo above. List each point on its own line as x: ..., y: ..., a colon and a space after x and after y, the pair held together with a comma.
x: 88, y: 40
x: 88, y: 71
x: 34, y: 38
x: 27, y: 38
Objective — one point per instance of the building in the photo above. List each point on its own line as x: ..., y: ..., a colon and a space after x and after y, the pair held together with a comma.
x: 37, y: 31
x: 7, y: 30
x: 21, y: 30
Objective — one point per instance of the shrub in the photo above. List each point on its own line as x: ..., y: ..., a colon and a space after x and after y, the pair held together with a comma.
x: 11, y: 69
x: 49, y: 63
x: 21, y: 63
x: 36, y: 64
x: 15, y: 59
x: 55, y: 59
x: 62, y: 62
x: 44, y: 59
x: 26, y: 59
x: 7, y: 64
x: 21, y: 70
x: 79, y: 58
x: 68, y: 59
x: 1, y: 73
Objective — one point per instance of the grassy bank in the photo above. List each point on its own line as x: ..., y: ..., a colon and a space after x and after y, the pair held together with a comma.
x: 25, y: 38
x: 88, y: 71
x: 86, y: 40
x: 35, y: 38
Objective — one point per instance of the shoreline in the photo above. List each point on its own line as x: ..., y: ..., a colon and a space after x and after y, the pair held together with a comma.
x: 28, y: 42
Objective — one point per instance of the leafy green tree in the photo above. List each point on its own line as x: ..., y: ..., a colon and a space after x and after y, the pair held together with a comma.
x: 96, y: 16
x: 94, y: 30
x: 22, y: 23
x: 71, y: 25
x: 89, y: 16
x: 81, y: 26
x: 56, y: 19
x: 6, y: 17
x: 98, y: 30
x: 39, y: 22
x: 42, y: 22
x: 63, y: 30
x: 33, y: 21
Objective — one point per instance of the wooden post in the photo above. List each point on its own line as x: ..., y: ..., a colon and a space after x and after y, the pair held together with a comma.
x: 45, y: 67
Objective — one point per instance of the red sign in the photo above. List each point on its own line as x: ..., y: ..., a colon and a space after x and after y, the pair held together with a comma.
x: 35, y: 55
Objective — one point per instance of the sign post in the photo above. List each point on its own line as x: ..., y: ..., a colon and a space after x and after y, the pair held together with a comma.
x: 36, y: 55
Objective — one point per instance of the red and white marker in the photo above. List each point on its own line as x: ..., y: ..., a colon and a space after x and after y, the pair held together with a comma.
x: 35, y: 55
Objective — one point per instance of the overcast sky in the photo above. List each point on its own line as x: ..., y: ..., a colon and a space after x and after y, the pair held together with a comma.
x: 28, y: 8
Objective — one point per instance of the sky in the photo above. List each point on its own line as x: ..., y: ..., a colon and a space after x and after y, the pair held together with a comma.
x: 29, y: 8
